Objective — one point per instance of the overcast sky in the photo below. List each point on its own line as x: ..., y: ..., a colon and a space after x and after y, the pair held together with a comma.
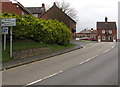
x: 89, y: 11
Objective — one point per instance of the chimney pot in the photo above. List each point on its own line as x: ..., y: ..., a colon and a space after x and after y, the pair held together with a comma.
x: 43, y: 5
x: 106, y: 19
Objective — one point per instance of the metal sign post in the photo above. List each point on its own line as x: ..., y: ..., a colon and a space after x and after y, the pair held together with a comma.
x: 4, y: 41
x: 5, y: 31
x: 9, y: 22
x: 11, y: 42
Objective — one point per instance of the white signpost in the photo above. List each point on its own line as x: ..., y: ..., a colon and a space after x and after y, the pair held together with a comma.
x: 7, y: 23
x: 5, y: 31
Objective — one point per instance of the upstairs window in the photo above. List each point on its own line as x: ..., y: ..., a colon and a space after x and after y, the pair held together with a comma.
x: 36, y: 15
x: 103, y: 31
x: 110, y: 31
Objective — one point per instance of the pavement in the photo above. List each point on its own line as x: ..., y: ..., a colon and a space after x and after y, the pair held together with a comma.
x: 16, y: 63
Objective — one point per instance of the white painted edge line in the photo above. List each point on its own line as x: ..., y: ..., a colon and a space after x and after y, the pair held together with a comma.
x: 42, y: 79
x: 88, y: 59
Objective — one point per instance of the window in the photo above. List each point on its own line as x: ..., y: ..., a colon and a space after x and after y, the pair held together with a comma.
x: 99, y: 37
x: 36, y: 15
x: 103, y: 31
x: 103, y: 37
x: 110, y: 31
x: 110, y: 38
x: 22, y: 13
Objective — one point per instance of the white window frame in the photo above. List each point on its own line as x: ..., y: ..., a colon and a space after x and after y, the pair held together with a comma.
x: 103, y: 31
x: 110, y: 31
x: 103, y: 38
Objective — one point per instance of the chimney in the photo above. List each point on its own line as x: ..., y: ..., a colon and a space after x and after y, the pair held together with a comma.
x: 43, y: 5
x: 54, y: 3
x: 106, y: 19
x: 43, y: 8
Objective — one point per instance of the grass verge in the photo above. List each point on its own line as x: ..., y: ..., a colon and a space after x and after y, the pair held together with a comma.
x: 28, y: 44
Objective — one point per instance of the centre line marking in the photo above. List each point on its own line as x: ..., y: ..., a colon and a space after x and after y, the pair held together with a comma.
x: 113, y: 46
x: 42, y: 79
x: 106, y: 51
x: 88, y: 59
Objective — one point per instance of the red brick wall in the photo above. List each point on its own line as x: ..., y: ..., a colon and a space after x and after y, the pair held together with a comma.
x: 0, y: 7
x: 12, y: 8
x: 99, y: 33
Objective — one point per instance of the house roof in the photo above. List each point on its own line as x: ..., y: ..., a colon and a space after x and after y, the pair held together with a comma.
x: 106, y: 25
x: 35, y: 9
x: 59, y: 10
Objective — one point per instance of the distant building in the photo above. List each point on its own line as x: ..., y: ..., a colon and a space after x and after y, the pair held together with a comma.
x: 37, y: 11
x: 91, y: 33
x: 55, y: 13
x: 13, y: 6
x: 106, y: 31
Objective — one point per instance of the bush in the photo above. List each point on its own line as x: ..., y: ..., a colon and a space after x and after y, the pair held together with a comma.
x: 28, y: 27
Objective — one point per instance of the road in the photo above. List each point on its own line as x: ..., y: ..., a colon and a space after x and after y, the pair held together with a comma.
x: 82, y: 66
x: 102, y: 70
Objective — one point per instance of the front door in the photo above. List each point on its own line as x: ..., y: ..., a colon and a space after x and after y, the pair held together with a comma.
x: 110, y: 38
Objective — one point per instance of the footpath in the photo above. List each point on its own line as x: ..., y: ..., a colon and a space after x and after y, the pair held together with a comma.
x: 16, y: 63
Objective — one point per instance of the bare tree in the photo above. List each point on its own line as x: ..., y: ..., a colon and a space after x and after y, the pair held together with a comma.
x: 65, y: 6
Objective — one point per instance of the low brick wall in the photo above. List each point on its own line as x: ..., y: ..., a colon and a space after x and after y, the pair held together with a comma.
x: 20, y: 54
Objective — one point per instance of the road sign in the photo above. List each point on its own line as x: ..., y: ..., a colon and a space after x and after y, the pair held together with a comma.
x: 5, y: 30
x: 8, y: 22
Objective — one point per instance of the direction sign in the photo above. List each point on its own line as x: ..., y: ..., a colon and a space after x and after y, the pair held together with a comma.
x: 8, y: 22
x: 5, y: 30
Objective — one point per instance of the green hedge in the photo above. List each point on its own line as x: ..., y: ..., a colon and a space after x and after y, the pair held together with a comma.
x: 28, y: 27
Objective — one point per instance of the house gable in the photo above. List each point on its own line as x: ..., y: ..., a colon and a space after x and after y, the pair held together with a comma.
x: 55, y: 13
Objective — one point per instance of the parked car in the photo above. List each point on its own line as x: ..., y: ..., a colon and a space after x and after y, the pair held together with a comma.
x: 85, y: 38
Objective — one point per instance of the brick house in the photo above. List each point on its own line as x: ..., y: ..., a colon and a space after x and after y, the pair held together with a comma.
x: 55, y: 13
x: 106, y: 31
x: 37, y: 11
x: 91, y: 33
x: 13, y: 6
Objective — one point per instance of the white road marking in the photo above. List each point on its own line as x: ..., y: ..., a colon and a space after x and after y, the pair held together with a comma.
x: 106, y: 51
x: 42, y: 79
x: 88, y: 59
x: 81, y: 62
x: 34, y: 82
x: 113, y: 46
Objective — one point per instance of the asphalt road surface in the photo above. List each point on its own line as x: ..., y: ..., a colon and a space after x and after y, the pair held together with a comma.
x: 96, y: 63
x: 102, y: 70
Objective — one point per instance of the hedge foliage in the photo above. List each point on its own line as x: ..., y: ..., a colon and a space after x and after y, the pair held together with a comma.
x: 28, y: 27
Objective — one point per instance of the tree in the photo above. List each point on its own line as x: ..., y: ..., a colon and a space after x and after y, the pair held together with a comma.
x: 65, y: 7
